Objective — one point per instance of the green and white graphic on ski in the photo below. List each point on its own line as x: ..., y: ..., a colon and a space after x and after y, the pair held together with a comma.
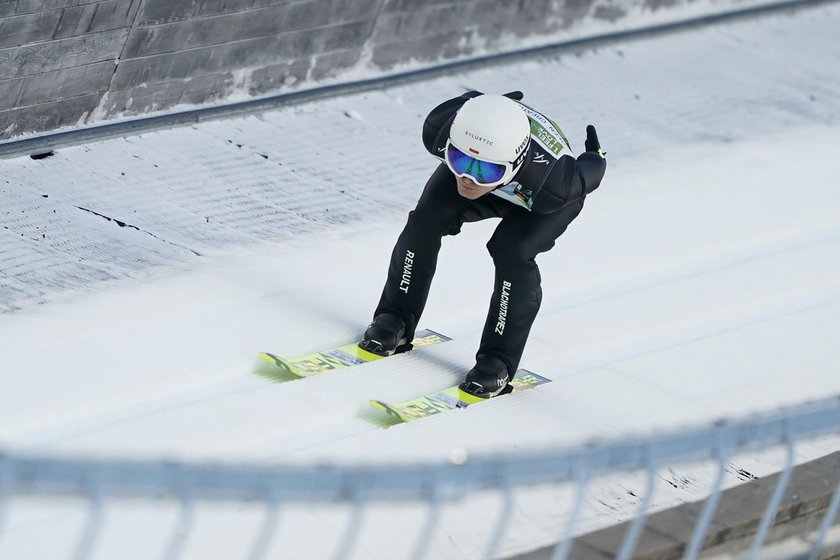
x: 452, y: 398
x: 349, y: 355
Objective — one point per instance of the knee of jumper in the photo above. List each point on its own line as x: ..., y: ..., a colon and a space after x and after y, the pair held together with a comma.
x: 515, y: 263
x: 511, y: 254
x: 432, y: 224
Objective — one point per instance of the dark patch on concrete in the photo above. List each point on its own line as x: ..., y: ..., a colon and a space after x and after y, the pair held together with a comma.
x: 740, y: 473
x: 47, y: 116
x: 655, y: 5
x: 73, y: 52
x: 609, y: 13
x: 678, y: 481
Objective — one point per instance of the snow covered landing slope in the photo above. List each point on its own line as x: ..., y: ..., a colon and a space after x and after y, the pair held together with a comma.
x: 702, y: 280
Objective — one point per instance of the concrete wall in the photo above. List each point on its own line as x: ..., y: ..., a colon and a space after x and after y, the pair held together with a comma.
x: 667, y: 533
x: 66, y: 63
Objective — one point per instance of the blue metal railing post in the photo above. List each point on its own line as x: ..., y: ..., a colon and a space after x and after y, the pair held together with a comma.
x: 89, y: 535
x: 183, y: 527
x: 268, y: 528
x: 561, y: 551
x: 828, y: 520
x: 710, y: 506
x: 424, y: 539
x: 501, y: 526
x: 776, y: 498
x: 635, y: 529
x: 6, y: 466
x: 351, y: 534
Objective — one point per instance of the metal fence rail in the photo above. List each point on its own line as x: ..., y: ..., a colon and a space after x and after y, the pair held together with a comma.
x: 434, y: 484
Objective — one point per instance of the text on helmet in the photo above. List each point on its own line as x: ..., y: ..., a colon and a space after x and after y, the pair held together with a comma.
x: 478, y: 138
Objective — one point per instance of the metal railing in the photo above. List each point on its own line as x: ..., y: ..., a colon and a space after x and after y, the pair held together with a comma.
x: 431, y: 484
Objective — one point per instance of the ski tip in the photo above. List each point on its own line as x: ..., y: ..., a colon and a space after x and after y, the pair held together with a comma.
x: 280, y: 363
x: 392, y: 413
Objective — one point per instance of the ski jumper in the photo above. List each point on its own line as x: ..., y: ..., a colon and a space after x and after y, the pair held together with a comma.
x: 536, y: 207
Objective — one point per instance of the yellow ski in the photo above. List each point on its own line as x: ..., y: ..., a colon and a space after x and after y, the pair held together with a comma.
x: 342, y: 357
x: 451, y: 398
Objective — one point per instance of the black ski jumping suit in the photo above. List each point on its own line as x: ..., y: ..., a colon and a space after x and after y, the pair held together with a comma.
x: 536, y: 207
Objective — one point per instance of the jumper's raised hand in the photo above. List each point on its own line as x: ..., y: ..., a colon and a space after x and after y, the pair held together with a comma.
x: 592, y: 144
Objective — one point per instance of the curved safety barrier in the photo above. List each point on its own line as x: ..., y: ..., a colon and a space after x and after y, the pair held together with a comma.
x: 100, y: 481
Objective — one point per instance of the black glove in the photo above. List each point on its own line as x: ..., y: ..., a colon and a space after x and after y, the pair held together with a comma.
x: 517, y: 95
x: 592, y: 144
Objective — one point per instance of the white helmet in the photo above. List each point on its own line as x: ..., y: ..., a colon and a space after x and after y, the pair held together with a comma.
x: 488, y: 140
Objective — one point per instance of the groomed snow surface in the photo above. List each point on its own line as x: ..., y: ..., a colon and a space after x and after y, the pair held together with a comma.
x: 701, y: 281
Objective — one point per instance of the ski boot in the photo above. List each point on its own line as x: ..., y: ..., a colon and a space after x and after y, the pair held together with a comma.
x: 488, y: 378
x: 385, y: 336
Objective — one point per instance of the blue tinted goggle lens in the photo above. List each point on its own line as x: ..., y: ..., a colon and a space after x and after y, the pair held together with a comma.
x: 482, y: 171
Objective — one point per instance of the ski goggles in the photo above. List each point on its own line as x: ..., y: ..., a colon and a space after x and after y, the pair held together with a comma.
x: 485, y: 173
